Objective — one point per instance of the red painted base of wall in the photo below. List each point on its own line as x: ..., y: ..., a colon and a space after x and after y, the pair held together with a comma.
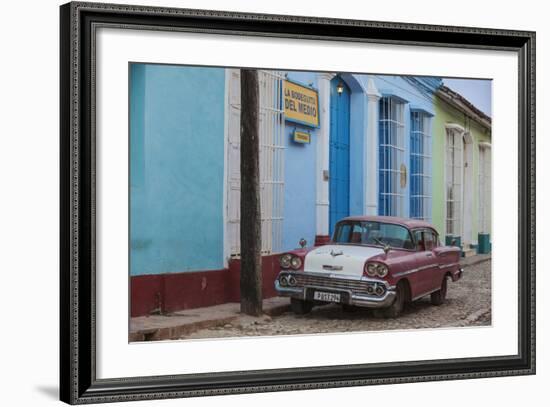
x: 178, y: 291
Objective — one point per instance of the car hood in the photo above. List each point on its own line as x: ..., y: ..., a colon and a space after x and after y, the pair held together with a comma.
x: 337, y: 260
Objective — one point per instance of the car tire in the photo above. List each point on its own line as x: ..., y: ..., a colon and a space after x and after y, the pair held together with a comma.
x: 300, y: 307
x: 394, y: 310
x: 438, y: 298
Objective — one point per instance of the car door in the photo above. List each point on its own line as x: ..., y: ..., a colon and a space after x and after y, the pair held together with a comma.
x: 434, y: 275
x: 426, y: 263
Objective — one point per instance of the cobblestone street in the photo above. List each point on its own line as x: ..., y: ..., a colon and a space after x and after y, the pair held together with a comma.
x: 468, y: 304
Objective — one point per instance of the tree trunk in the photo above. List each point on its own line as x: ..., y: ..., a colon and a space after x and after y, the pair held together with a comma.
x: 251, y: 225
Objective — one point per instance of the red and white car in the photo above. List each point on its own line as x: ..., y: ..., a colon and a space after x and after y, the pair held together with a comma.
x: 376, y: 262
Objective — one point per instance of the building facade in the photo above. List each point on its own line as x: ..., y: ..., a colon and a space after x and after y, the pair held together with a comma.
x: 462, y: 186
x: 331, y: 145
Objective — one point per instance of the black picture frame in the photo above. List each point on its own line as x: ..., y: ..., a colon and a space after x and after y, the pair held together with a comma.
x: 78, y: 382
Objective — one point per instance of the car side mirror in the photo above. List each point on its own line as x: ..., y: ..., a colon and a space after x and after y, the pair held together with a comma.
x: 302, y: 242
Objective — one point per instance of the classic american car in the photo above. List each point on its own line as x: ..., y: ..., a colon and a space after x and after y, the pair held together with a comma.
x: 377, y: 262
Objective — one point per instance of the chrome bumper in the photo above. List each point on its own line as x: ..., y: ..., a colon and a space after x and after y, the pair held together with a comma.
x: 360, y: 300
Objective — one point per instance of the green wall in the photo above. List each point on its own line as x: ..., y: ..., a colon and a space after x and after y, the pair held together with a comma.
x: 446, y: 114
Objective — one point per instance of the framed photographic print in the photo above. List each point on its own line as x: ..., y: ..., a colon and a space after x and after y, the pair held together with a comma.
x: 256, y: 203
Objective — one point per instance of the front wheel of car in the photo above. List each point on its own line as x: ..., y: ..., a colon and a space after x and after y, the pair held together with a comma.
x: 300, y: 307
x: 438, y: 298
x: 394, y: 310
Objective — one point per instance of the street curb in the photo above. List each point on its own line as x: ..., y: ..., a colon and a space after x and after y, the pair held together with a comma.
x: 174, y: 332
x: 177, y: 331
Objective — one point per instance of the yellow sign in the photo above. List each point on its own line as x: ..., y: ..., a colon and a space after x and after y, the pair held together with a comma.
x: 301, y: 137
x: 301, y: 104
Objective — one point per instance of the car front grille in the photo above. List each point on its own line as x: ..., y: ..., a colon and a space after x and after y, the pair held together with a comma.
x: 355, y: 286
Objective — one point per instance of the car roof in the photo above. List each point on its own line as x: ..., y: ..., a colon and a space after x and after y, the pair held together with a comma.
x: 407, y: 222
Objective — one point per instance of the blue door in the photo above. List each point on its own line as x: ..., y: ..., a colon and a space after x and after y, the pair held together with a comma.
x: 339, y: 152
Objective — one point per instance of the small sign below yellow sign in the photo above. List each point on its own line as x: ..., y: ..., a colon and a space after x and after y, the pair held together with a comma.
x: 301, y: 137
x: 301, y: 104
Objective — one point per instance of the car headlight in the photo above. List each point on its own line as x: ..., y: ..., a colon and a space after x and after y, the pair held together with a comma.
x: 296, y: 262
x: 381, y: 270
x: 284, y: 261
x: 371, y: 269
x: 376, y: 270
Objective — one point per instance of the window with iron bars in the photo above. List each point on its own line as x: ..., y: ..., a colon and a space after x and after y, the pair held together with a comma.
x: 271, y: 161
x: 421, y: 157
x: 454, y: 174
x: 391, y: 138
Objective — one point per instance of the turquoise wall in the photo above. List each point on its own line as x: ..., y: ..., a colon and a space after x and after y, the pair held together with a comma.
x: 176, y: 184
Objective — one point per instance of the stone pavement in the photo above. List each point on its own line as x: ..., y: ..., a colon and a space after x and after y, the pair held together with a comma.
x: 473, y: 260
x: 181, y: 323
x: 225, y: 320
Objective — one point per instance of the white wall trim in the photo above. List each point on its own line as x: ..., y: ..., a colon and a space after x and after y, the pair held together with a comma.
x: 468, y: 189
x: 225, y: 172
x: 371, y: 149
x: 461, y: 130
x: 484, y: 144
x: 326, y: 75
x: 455, y: 126
x: 322, y: 159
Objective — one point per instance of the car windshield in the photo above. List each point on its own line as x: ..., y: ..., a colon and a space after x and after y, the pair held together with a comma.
x: 373, y: 233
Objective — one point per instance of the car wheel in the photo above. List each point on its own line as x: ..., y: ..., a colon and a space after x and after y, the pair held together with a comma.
x: 394, y: 310
x: 439, y: 296
x: 300, y: 307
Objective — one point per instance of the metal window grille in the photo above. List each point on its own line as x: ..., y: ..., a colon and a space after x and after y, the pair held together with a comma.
x: 271, y: 161
x: 421, y: 157
x: 484, y: 189
x: 454, y: 173
x: 391, y: 154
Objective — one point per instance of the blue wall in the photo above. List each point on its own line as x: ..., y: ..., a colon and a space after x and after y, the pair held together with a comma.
x: 176, y: 168
x: 358, y: 131
x: 339, y: 152
x: 300, y: 159
x: 416, y: 92
x: 300, y: 185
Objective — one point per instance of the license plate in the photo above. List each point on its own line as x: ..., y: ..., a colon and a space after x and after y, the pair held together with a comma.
x: 328, y: 297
